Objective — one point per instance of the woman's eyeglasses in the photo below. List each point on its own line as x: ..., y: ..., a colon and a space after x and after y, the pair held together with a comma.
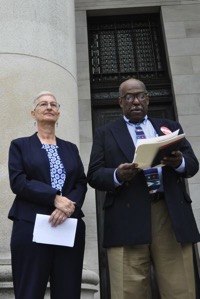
x: 45, y: 104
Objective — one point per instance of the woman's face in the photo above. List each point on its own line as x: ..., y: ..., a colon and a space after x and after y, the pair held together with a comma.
x: 46, y: 110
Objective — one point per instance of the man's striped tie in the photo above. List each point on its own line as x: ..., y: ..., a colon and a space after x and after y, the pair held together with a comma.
x: 151, y: 174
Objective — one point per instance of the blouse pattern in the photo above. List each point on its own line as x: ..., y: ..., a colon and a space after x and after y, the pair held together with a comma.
x: 57, y: 170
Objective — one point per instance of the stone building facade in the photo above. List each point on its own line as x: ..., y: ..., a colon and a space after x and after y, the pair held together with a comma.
x: 44, y: 46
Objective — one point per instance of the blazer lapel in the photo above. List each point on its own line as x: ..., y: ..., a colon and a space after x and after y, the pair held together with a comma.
x: 157, y: 124
x: 123, y: 138
x: 40, y: 154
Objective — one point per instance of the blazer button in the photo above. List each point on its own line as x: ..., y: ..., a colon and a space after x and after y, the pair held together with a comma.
x: 128, y: 205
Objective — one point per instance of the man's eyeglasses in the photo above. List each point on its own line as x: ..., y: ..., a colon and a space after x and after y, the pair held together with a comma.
x: 130, y: 97
x: 45, y: 104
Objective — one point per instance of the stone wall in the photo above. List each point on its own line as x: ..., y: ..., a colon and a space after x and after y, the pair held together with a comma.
x: 38, y: 51
x: 181, y: 29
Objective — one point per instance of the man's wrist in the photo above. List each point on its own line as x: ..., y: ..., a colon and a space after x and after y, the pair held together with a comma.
x: 116, y: 179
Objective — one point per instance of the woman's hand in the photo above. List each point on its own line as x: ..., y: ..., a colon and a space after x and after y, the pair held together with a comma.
x: 65, y: 205
x: 57, y: 217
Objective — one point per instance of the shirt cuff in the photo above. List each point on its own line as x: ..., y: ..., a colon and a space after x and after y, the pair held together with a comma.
x: 117, y: 183
x: 181, y: 168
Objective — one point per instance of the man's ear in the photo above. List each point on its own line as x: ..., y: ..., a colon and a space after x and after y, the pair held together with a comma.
x: 120, y: 102
x: 147, y: 100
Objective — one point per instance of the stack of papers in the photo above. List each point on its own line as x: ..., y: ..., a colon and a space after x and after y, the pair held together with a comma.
x: 63, y: 234
x: 149, y: 152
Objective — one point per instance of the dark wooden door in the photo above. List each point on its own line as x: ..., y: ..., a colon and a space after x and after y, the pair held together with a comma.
x: 122, y: 47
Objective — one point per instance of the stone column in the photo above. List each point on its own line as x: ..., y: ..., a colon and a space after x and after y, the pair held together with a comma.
x: 37, y: 52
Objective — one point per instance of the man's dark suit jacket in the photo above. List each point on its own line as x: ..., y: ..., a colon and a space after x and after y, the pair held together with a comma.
x: 30, y: 180
x: 128, y: 207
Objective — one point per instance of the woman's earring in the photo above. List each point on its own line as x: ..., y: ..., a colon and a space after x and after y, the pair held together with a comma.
x: 34, y: 122
x: 57, y: 124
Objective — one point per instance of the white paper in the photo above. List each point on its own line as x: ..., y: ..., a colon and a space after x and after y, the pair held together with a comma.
x: 146, y: 149
x: 158, y: 139
x: 63, y: 234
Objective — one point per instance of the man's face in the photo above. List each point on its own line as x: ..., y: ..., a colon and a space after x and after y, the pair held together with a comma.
x: 134, y: 100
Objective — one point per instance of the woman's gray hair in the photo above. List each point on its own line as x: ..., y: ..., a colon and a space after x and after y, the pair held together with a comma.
x: 43, y: 93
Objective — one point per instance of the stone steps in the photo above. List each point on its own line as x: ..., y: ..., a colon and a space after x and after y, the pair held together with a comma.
x: 89, y: 285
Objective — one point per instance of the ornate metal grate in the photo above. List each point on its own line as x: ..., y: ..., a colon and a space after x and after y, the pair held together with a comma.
x: 126, y: 46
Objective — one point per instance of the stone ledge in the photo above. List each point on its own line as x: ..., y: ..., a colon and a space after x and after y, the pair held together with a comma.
x: 5, y: 273
x: 89, y: 284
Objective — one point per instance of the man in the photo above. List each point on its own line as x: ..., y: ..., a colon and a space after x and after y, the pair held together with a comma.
x: 142, y: 225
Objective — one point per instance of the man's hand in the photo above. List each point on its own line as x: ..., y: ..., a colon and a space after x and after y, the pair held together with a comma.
x: 126, y: 171
x: 174, y: 160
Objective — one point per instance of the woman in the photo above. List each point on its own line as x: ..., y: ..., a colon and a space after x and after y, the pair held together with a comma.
x: 47, y: 176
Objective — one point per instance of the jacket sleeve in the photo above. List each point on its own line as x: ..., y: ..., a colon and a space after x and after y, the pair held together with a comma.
x: 22, y: 184
x: 100, y: 172
x: 191, y: 162
x: 77, y: 182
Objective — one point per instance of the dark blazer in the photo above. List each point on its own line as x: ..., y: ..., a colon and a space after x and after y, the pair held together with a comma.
x: 128, y: 208
x: 30, y: 180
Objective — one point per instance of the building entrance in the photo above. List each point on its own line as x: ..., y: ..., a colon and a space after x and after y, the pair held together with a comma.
x: 123, y: 47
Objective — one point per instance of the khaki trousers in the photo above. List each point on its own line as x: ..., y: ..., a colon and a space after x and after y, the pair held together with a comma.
x: 129, y: 267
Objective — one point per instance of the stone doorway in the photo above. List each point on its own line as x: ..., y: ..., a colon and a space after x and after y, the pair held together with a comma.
x: 122, y: 47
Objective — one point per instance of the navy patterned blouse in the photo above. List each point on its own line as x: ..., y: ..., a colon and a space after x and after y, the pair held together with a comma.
x: 57, y: 170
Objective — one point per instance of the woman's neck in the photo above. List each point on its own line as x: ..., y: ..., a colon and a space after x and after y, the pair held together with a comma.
x: 46, y: 136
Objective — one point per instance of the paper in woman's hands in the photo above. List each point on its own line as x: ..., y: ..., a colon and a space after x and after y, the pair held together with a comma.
x: 63, y: 234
